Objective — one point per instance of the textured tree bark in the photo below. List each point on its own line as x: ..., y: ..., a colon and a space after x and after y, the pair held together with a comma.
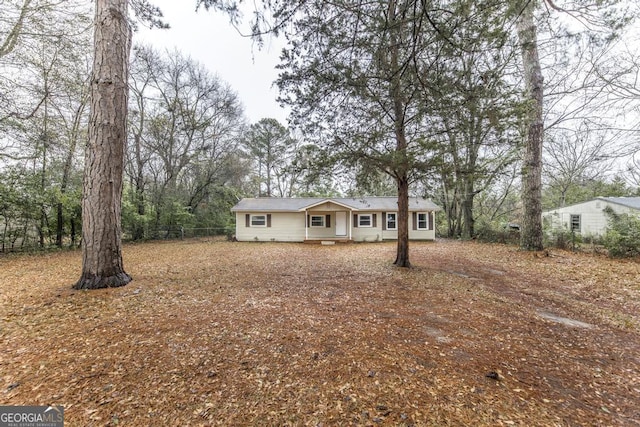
x: 401, y: 165
x: 102, y: 264
x: 402, y: 252
x: 531, y: 230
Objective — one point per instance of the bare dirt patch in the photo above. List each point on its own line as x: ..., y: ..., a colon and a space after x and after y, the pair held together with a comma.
x: 217, y: 333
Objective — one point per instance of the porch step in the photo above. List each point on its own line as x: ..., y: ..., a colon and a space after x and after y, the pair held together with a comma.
x: 327, y: 242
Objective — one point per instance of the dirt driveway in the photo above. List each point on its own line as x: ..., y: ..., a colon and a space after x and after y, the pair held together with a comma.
x: 218, y: 333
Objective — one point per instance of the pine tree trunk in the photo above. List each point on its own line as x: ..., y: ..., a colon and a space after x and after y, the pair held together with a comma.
x: 102, y: 264
x: 531, y: 230
x: 402, y: 253
x: 401, y: 166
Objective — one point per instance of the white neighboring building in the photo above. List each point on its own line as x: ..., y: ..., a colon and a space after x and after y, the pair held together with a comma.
x: 588, y: 218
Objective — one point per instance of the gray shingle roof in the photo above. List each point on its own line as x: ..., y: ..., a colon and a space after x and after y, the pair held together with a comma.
x: 295, y: 204
x: 630, y: 202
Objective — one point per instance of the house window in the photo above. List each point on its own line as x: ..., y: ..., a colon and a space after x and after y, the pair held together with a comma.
x: 258, y: 220
x: 317, y: 220
x: 364, y: 220
x: 575, y: 223
x: 392, y: 221
x: 423, y: 221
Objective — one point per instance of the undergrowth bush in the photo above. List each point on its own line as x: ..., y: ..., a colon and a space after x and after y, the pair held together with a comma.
x: 492, y: 233
x: 562, y: 239
x: 623, y: 235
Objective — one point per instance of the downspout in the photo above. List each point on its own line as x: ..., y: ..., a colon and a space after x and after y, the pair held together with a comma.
x: 350, y: 222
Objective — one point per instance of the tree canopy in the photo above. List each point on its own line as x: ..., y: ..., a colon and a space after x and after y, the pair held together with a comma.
x: 426, y: 98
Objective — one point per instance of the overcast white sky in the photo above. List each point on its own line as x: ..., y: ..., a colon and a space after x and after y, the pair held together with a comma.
x: 209, y: 38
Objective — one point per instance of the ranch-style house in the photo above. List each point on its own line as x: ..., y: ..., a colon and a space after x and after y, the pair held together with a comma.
x: 305, y: 219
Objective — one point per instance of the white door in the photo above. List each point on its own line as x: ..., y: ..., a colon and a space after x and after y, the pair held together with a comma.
x: 341, y: 223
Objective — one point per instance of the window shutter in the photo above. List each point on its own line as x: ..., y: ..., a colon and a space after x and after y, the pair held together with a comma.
x: 414, y: 218
x: 430, y: 220
x: 373, y: 220
x: 247, y: 220
x: 268, y: 220
x: 308, y: 220
x: 384, y: 221
x: 328, y: 221
x: 355, y: 220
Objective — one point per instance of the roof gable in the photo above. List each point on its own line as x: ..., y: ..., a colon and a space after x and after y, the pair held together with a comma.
x: 328, y: 204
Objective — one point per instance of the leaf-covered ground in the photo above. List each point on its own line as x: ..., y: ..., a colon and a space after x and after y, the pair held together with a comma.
x: 218, y: 333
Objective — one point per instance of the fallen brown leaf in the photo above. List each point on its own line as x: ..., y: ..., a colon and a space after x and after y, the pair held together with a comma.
x: 219, y: 333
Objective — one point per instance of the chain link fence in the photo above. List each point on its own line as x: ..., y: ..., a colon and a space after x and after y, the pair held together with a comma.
x: 29, y: 242
x: 180, y: 232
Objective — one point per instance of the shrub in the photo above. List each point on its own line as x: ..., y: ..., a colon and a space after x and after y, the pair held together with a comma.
x: 497, y: 233
x: 562, y: 239
x: 623, y: 235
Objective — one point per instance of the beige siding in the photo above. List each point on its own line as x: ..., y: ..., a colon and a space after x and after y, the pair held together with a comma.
x: 367, y: 234
x: 422, y: 234
x: 328, y: 207
x: 389, y: 234
x: 290, y: 227
x: 285, y: 227
x: 374, y: 234
x: 322, y: 232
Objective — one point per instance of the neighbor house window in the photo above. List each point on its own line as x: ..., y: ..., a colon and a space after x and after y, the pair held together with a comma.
x: 392, y: 223
x: 258, y: 220
x: 364, y: 220
x: 423, y: 221
x: 317, y: 220
x: 575, y: 223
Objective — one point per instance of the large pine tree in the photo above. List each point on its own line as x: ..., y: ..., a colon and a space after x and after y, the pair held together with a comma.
x: 531, y: 237
x: 102, y: 264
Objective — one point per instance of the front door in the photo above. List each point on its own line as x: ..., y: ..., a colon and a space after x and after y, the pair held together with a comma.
x: 341, y: 223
